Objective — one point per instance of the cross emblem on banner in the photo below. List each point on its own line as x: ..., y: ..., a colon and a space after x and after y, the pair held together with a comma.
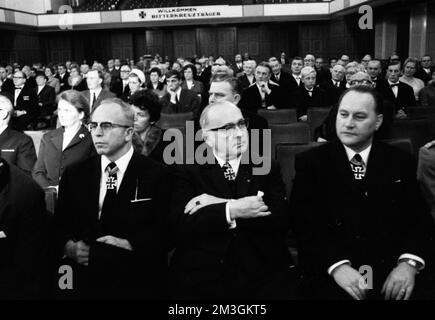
x: 142, y: 14
x: 111, y: 183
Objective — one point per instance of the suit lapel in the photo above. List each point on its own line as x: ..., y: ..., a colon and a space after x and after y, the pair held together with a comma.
x: 93, y: 190
x: 130, y: 180
x: 243, y: 180
x: 79, y: 136
x: 57, y: 139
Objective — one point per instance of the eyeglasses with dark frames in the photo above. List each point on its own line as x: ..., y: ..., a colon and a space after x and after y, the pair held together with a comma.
x: 231, y: 127
x: 105, y: 126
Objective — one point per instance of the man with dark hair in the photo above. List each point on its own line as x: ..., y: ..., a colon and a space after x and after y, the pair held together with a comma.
x: 96, y: 93
x: 297, y: 64
x: 238, y: 65
x: 400, y: 94
x: 6, y: 84
x: 378, y: 223
x: 263, y: 94
x: 46, y: 101
x: 178, y: 100
x: 323, y: 74
x: 63, y: 76
x: 110, y: 221
x: 280, y: 76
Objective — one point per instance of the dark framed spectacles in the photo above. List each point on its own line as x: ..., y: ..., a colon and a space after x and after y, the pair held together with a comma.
x: 105, y: 126
x: 231, y: 127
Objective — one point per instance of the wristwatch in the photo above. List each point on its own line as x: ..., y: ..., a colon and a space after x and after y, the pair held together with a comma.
x: 413, y: 263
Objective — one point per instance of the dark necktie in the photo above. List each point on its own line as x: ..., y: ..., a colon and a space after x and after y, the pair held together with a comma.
x: 394, y: 85
x: 109, y: 203
x: 176, y: 99
x: 94, y: 99
x: 358, y: 167
x: 310, y: 92
x: 229, y: 173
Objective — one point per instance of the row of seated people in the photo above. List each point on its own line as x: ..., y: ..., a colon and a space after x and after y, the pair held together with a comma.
x: 119, y: 212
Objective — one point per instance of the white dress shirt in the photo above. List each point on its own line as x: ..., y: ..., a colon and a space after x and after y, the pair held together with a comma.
x: 122, y: 164
x: 395, y: 88
x: 97, y: 93
x: 235, y: 164
x: 177, y: 94
x: 297, y: 78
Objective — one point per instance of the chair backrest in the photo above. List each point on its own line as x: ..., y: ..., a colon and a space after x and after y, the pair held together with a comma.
x: 173, y: 120
x: 419, y: 111
x: 36, y: 138
x: 178, y: 135
x: 316, y: 116
x: 419, y: 131
x: 296, y: 133
x: 403, y: 144
x: 285, y: 154
x: 282, y: 116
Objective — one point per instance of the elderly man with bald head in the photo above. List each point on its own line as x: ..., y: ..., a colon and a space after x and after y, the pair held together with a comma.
x: 110, y: 221
x: 231, y: 220
x: 335, y: 86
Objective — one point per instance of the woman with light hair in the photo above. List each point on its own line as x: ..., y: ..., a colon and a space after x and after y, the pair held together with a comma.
x: 409, y: 69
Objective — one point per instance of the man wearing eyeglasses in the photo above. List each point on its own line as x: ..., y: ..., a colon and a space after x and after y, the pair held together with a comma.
x: 110, y: 220
x: 25, y: 103
x: 425, y: 72
x: 230, y: 222
x: 120, y: 86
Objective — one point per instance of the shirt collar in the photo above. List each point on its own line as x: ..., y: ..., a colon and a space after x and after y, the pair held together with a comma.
x: 390, y: 82
x: 234, y: 163
x: 121, y: 163
x: 364, y: 154
x: 296, y: 76
x: 97, y: 92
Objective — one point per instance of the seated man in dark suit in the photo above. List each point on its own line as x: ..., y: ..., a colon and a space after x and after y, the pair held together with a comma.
x: 230, y: 220
x: 279, y: 76
x: 15, y: 147
x: 323, y: 73
x: 113, y: 230
x: 96, y: 93
x: 297, y: 64
x: 398, y: 93
x: 327, y: 132
x: 46, y: 101
x: 248, y: 77
x: 25, y: 103
x: 178, y: 100
x: 374, y: 69
x: 63, y: 75
x: 358, y: 208
x: 23, y: 230
x: 425, y: 72
x: 310, y: 96
x: 263, y: 94
x: 335, y: 86
x: 120, y: 86
x: 6, y: 84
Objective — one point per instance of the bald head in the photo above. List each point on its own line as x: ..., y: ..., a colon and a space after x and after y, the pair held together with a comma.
x: 213, y: 113
x: 6, y: 109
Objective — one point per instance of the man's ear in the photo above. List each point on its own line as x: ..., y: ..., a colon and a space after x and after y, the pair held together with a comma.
x: 237, y: 98
x: 379, y: 120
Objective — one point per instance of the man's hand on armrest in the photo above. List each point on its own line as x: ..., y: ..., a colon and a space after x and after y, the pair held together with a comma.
x: 78, y: 251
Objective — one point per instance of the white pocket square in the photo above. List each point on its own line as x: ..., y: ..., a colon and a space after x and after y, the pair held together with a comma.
x: 141, y: 200
x: 7, y: 150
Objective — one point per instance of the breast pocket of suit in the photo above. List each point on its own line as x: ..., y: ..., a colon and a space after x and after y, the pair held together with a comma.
x: 10, y: 155
x: 142, y: 210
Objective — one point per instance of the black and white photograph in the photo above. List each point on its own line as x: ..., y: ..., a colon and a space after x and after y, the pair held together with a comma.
x: 217, y: 158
